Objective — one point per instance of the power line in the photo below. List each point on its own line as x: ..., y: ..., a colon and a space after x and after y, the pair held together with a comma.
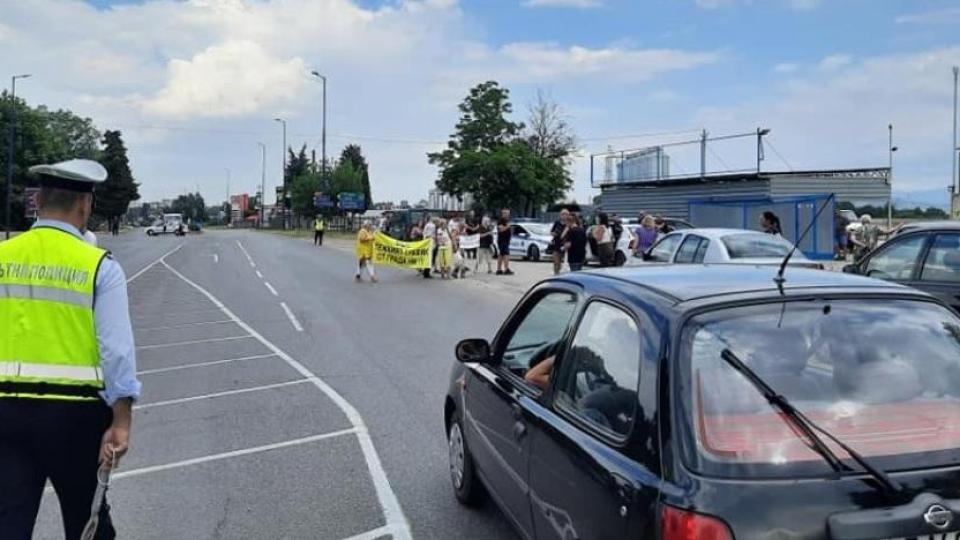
x: 775, y: 151
x: 720, y: 159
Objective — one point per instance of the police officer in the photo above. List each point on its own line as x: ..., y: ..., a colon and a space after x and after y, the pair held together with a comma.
x: 67, y: 362
x: 318, y: 227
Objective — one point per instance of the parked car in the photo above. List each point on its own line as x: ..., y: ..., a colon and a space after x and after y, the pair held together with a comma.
x: 529, y: 240
x: 621, y: 252
x: 700, y: 402
x: 723, y: 246
x: 925, y: 256
x: 168, y: 224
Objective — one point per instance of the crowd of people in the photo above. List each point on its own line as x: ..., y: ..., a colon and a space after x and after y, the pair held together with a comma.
x: 857, y: 242
x: 450, y: 259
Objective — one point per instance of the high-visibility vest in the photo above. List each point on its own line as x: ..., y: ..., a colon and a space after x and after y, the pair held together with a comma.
x: 48, y: 341
x: 318, y: 225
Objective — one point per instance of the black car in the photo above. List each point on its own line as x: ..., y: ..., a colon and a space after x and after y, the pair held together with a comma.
x: 713, y: 403
x: 923, y: 255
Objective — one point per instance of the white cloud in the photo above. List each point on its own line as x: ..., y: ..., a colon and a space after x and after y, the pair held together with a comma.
x: 579, y: 4
x: 236, y: 78
x: 839, y: 118
x: 941, y: 16
x: 785, y: 67
x: 835, y: 61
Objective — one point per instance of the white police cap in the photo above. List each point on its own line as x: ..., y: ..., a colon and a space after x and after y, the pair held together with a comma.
x: 74, y: 174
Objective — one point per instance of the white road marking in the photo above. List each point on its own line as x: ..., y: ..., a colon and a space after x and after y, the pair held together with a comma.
x: 386, y: 530
x: 270, y: 288
x: 204, y: 364
x: 292, y: 317
x: 193, y: 342
x: 216, y: 258
x: 219, y: 394
x: 184, y: 325
x: 231, y: 454
x: 252, y: 265
x: 246, y: 254
x: 392, y: 511
x: 154, y: 263
x: 259, y: 275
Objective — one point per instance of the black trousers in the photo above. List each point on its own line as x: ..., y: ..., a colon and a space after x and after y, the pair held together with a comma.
x: 58, y: 440
x: 318, y: 238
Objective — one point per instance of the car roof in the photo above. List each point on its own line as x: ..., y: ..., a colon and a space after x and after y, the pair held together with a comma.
x: 716, y: 232
x: 687, y: 282
x: 929, y: 225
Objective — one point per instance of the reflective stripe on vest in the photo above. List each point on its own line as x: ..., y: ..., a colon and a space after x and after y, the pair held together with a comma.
x: 48, y: 341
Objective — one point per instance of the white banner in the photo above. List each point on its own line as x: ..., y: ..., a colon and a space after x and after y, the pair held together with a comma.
x: 470, y: 241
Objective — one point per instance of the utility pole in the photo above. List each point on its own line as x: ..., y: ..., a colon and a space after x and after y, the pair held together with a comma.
x: 703, y: 154
x: 892, y: 149
x: 760, y: 133
x: 953, y: 162
x: 323, y: 136
x: 263, y: 183
x: 11, y: 155
x: 229, y: 202
x: 284, y: 169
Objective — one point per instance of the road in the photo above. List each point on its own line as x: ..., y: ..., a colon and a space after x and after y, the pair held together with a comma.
x: 283, y: 400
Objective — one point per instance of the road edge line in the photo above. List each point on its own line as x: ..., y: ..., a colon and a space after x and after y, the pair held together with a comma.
x: 154, y: 263
x: 389, y: 504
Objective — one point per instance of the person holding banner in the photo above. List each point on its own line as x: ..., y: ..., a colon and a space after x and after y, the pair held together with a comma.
x: 365, y: 252
x: 444, y: 249
x: 485, y: 246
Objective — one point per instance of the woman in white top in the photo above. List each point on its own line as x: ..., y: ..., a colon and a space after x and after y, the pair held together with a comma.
x: 603, y: 234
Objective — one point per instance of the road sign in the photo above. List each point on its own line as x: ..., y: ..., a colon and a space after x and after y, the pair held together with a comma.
x: 351, y: 201
x: 31, y: 204
x: 321, y: 200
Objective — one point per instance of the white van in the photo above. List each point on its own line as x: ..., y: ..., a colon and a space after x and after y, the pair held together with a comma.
x: 168, y: 224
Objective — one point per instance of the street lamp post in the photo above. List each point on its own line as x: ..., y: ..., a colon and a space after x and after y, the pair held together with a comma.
x: 229, y: 203
x: 263, y: 183
x: 284, y: 167
x: 760, y: 133
x: 323, y: 135
x: 892, y: 149
x: 10, y: 148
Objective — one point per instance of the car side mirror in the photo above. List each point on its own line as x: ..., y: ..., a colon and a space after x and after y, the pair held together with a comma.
x: 851, y: 269
x: 473, y: 351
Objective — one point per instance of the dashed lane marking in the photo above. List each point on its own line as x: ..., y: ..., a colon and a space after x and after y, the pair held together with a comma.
x: 204, y: 364
x: 193, y: 342
x: 219, y: 394
x: 232, y: 454
x: 184, y: 325
x: 392, y: 511
x: 292, y: 317
x: 259, y: 275
x: 246, y: 254
x: 270, y: 288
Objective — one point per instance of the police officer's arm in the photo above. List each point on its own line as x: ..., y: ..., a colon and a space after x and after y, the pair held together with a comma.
x: 117, y: 355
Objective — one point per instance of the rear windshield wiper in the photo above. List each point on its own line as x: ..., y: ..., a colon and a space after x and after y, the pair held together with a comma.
x: 809, y: 428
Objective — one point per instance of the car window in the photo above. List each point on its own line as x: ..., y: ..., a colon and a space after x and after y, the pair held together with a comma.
x: 599, y: 374
x: 753, y: 245
x: 663, y: 250
x: 541, y: 328
x: 701, y: 250
x: 688, y: 249
x: 518, y: 230
x: 943, y: 259
x: 896, y: 260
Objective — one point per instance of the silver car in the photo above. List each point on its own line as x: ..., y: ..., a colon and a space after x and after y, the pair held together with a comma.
x: 722, y: 246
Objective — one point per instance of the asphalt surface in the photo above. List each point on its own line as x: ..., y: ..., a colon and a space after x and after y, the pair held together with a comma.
x: 283, y: 400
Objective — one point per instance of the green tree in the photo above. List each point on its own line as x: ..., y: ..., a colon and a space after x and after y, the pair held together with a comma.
x: 114, y: 196
x: 298, y: 163
x: 303, y: 188
x: 490, y: 156
x: 346, y: 178
x: 353, y: 154
x: 191, y: 206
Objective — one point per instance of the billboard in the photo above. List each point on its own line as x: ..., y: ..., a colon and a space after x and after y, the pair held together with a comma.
x: 350, y: 200
x: 322, y: 200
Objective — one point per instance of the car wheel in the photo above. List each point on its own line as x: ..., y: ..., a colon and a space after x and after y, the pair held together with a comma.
x: 619, y: 259
x: 533, y: 253
x: 151, y: 233
x: 463, y: 476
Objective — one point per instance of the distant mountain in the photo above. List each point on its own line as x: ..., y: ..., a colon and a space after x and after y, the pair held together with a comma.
x: 938, y: 198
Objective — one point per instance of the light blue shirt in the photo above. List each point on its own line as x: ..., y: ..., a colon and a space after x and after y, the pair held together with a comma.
x: 111, y: 312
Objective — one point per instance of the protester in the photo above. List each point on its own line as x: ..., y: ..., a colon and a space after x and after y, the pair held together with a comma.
x: 485, y: 251
x: 616, y: 225
x: 503, y: 243
x: 416, y: 232
x: 556, y: 232
x: 430, y: 233
x: 770, y: 223
x: 662, y: 225
x: 841, y: 236
x: 646, y: 234
x: 459, y: 257
x: 444, y: 253
x: 365, y: 252
x: 604, y: 237
x: 473, y: 227
x: 575, y: 243
x: 867, y: 237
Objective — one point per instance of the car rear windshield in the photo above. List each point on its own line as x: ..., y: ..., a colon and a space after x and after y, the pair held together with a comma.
x: 881, y: 375
x: 753, y: 245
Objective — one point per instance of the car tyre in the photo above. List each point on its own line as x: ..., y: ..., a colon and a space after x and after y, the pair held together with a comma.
x: 619, y: 259
x: 463, y: 475
x: 533, y: 254
x: 151, y: 233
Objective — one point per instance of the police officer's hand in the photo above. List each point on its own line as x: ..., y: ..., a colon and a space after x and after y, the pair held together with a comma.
x: 115, y: 443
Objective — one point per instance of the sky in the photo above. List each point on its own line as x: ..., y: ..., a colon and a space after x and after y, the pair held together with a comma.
x: 194, y: 85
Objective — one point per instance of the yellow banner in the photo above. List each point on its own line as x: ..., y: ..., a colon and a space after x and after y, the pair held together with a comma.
x: 392, y: 252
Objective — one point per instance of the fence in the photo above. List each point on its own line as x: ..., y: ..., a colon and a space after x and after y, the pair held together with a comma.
x: 795, y: 215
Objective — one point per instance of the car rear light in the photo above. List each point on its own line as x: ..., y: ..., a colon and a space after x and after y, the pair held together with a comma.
x: 676, y: 524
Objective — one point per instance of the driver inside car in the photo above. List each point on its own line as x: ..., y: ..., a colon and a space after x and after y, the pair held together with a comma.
x: 541, y: 366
